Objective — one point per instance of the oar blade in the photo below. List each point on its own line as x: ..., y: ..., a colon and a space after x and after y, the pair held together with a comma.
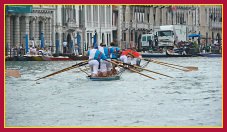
x: 188, y: 68
x: 192, y: 68
x: 13, y: 73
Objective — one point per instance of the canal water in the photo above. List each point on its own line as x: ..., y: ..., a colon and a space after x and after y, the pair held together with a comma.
x: 69, y: 99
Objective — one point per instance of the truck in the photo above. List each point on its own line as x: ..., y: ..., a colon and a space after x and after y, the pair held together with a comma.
x: 169, y: 35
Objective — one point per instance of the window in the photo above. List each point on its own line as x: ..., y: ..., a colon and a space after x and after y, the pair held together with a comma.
x: 165, y: 33
x: 124, y: 37
x: 131, y: 36
x: 148, y: 38
x: 144, y: 38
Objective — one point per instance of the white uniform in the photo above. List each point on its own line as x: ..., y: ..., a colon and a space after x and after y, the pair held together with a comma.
x: 124, y: 58
x: 94, y: 64
x: 131, y: 60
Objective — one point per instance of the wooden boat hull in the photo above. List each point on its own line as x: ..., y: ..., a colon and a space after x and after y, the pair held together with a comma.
x: 168, y: 54
x: 155, y: 55
x: 209, y: 55
x: 50, y: 58
x: 112, y: 78
x: 78, y: 57
x: 33, y: 58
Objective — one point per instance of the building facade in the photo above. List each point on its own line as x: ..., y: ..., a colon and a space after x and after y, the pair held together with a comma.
x: 35, y: 25
x: 83, y: 25
x: 96, y: 22
x: 137, y: 20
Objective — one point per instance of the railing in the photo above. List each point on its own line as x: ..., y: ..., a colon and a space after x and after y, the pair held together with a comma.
x: 72, y: 25
x: 142, y: 26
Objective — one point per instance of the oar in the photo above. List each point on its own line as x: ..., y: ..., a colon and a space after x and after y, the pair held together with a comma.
x: 191, y: 68
x: 187, y: 67
x: 131, y: 69
x: 144, y: 69
x: 166, y: 64
x: 65, y: 69
x: 13, y: 73
x: 186, y: 70
x: 83, y: 70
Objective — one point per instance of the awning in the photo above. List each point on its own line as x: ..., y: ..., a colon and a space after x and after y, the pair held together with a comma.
x: 19, y: 9
x: 194, y: 35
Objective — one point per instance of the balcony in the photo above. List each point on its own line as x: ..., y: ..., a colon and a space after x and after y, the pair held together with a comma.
x: 72, y: 25
x: 142, y: 26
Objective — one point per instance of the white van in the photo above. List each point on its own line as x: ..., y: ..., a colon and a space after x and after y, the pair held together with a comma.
x: 145, y: 38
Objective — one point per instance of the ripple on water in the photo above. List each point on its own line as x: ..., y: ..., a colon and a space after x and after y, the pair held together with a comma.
x: 68, y: 98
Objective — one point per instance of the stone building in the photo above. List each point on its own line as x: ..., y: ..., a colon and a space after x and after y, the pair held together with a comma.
x: 34, y: 25
x: 51, y: 25
x: 210, y: 23
x: 96, y: 24
x: 140, y: 19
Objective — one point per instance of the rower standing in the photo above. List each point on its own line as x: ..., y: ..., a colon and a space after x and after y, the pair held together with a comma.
x: 131, y: 56
x: 95, y: 57
x: 114, y: 51
x: 105, y: 66
x: 114, y: 54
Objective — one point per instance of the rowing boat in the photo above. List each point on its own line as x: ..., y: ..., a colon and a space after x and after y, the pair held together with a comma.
x: 111, y: 78
x: 115, y: 77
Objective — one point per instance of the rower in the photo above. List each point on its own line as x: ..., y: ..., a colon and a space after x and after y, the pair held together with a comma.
x: 131, y: 56
x: 114, y: 51
x: 136, y: 57
x: 105, y: 66
x: 123, y: 56
x: 114, y: 54
x: 95, y: 57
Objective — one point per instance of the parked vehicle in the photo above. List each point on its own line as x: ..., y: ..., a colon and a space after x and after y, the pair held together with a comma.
x: 147, y: 41
x: 169, y: 35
